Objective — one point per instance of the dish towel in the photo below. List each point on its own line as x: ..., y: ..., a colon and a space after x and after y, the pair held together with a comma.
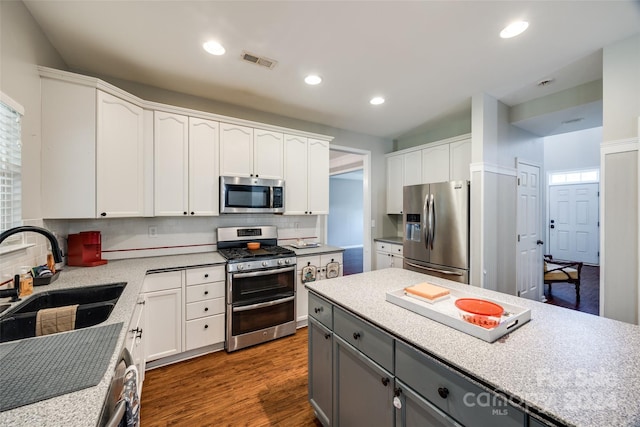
x: 130, y: 396
x: 54, y: 320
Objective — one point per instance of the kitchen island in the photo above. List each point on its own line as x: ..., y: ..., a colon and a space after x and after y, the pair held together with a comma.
x: 563, y: 367
x: 83, y: 407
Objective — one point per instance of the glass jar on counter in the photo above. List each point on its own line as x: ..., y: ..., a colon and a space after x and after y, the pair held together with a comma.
x: 26, y: 281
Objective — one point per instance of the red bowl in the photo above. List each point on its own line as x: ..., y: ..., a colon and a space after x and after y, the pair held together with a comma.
x: 480, y: 312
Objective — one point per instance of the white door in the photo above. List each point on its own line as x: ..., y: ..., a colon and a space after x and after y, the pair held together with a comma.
x: 268, y: 154
x: 295, y: 175
x: 203, y: 167
x: 236, y: 150
x: 529, y: 260
x: 573, y: 222
x: 318, y: 178
x: 435, y: 164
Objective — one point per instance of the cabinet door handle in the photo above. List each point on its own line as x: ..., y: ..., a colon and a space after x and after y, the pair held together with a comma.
x: 326, y: 336
x: 206, y: 292
x: 206, y: 309
x: 206, y: 326
x: 356, y: 335
x: 443, y: 392
x: 206, y: 276
x: 103, y: 214
x: 317, y: 310
x: 385, y: 381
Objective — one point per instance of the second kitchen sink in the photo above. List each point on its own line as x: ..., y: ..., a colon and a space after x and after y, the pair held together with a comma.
x: 95, y: 304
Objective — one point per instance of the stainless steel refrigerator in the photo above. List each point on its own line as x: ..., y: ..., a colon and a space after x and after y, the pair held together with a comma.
x: 436, y: 229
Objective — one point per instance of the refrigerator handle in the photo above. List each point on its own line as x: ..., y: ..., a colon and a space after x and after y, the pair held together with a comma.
x: 432, y: 226
x: 425, y: 216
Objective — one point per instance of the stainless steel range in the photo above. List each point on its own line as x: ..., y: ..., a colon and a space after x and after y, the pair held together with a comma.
x: 261, y: 286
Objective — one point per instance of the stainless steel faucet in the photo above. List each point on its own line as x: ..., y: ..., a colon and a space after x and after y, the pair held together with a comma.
x: 55, y: 250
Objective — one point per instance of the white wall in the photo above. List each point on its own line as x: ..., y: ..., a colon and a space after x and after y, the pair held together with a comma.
x: 22, y: 46
x: 619, y: 177
x: 345, y: 211
x: 573, y: 150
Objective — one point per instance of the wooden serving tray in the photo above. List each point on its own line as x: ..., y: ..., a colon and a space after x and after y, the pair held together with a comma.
x: 445, y: 312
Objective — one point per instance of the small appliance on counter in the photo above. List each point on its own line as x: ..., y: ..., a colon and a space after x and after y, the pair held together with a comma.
x: 85, y: 249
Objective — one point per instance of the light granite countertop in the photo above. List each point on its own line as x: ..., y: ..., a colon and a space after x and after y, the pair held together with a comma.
x: 570, y: 367
x: 322, y: 249
x: 83, y: 408
x: 390, y: 239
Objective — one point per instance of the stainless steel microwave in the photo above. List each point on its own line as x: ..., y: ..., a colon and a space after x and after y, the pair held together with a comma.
x: 251, y: 195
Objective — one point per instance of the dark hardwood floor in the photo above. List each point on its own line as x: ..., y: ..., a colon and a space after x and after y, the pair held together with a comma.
x: 265, y: 385
x: 564, y: 294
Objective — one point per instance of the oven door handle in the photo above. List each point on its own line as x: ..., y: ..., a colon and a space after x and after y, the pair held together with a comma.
x: 262, y: 272
x: 263, y: 304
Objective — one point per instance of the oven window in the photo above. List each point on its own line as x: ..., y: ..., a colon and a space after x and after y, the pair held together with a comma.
x: 247, y: 196
x: 267, y: 285
x: 261, y: 318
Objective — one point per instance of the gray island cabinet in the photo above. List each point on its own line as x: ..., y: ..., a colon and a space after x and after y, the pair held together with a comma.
x: 374, y: 363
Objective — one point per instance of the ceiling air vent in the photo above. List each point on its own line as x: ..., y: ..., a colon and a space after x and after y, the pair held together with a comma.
x: 259, y: 60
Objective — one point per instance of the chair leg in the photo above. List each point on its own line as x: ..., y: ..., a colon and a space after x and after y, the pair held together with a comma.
x: 578, y: 292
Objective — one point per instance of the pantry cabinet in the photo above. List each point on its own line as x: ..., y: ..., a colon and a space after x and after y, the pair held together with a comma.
x: 306, y: 174
x: 185, y: 165
x: 103, y: 136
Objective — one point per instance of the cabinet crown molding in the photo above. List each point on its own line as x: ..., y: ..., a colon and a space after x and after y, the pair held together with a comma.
x: 52, y: 73
x: 430, y: 144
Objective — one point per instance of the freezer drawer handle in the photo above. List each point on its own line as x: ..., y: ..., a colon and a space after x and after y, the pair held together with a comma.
x: 450, y: 273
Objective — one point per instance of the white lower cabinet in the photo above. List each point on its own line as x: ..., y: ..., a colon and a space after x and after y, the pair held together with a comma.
x: 184, y: 310
x: 163, y: 308
x: 204, y: 308
x: 388, y: 255
x: 136, y: 338
x: 320, y: 261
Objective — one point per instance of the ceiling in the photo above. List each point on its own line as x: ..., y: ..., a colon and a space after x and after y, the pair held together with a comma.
x: 426, y: 58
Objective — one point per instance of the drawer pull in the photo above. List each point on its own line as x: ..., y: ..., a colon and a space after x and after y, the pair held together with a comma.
x: 318, y: 310
x: 443, y: 392
x: 206, y: 326
x: 327, y: 336
x: 385, y: 381
x: 206, y: 292
x: 206, y: 309
x: 206, y: 276
x: 356, y: 335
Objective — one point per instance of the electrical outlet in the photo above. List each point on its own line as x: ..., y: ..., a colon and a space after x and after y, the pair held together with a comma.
x: 153, y: 231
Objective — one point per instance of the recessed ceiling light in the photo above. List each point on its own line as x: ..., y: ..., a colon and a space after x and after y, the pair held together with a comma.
x: 214, y: 48
x: 377, y: 100
x: 312, y: 79
x: 514, y: 29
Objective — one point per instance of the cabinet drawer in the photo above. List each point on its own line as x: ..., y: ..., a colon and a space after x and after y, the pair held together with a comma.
x: 162, y: 281
x: 332, y: 257
x: 397, y: 250
x: 205, y: 308
x: 308, y: 260
x: 452, y: 392
x: 373, y: 342
x: 205, y: 275
x: 204, y: 292
x: 383, y: 247
x: 206, y: 331
x: 321, y: 309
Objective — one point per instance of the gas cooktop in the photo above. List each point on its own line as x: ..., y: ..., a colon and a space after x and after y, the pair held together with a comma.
x: 244, y: 254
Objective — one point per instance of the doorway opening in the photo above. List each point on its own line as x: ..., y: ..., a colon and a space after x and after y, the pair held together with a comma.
x: 350, y: 207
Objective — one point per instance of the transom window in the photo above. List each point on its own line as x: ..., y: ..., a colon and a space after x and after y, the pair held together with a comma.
x: 574, y: 177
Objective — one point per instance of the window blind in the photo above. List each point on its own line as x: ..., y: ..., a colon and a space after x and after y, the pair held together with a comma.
x: 10, y: 166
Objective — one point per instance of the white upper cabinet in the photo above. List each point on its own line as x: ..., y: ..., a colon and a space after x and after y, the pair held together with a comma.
x: 186, y: 165
x: 268, y: 154
x: 460, y: 160
x: 412, y: 169
x: 395, y: 182
x: 306, y: 176
x: 249, y: 152
x: 171, y: 166
x: 92, y: 153
x: 236, y: 150
x: 204, y: 149
x: 435, y: 164
x: 318, y: 184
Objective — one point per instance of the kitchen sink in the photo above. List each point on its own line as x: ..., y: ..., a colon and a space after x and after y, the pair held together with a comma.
x: 95, y: 304
x: 3, y: 307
